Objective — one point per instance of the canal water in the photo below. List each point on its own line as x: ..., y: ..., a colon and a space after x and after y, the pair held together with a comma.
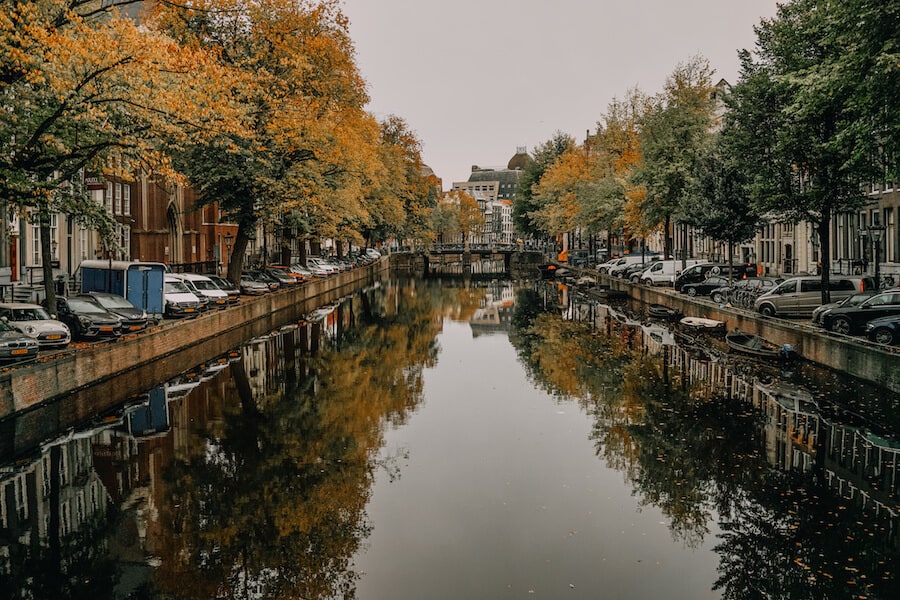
x: 440, y: 439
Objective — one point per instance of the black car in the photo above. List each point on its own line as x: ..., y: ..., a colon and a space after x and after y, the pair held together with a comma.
x: 705, y: 286
x: 233, y: 291
x: 87, y: 319
x: 852, y: 319
x: 885, y: 330
x: 853, y: 300
x: 132, y: 317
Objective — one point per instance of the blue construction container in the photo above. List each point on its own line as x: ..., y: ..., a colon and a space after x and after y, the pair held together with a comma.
x: 141, y: 283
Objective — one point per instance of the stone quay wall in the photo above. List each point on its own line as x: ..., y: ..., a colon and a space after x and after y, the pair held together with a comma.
x: 24, y: 387
x: 854, y: 356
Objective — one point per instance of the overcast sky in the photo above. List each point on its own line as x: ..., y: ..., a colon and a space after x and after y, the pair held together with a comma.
x: 475, y: 79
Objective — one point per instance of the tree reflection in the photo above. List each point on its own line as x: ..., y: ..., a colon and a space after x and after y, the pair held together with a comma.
x: 698, y: 453
x: 270, y: 502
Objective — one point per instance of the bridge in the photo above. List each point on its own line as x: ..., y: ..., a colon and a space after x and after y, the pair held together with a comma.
x: 478, y: 260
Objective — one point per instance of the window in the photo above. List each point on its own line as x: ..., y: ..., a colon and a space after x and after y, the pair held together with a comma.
x: 841, y: 285
x: 810, y: 285
x: 108, y: 197
x: 126, y: 200
x: 117, y: 200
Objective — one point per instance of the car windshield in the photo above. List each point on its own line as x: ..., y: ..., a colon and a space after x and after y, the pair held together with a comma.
x: 29, y: 314
x: 176, y: 287
x: 202, y: 284
x: 85, y: 306
x: 113, y: 302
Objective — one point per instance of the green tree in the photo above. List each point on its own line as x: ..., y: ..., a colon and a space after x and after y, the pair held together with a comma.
x: 719, y: 203
x: 675, y: 131
x: 812, y: 115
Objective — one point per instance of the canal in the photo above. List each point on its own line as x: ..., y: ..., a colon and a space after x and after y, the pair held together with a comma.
x: 446, y: 440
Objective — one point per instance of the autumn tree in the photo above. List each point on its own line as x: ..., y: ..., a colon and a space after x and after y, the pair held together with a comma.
x: 84, y: 87
x: 543, y: 157
x: 616, y: 151
x: 309, y: 147
x: 400, y: 203
x: 458, y: 213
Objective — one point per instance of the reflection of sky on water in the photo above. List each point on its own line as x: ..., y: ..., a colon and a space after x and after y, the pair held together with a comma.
x: 503, y: 492
x: 491, y: 485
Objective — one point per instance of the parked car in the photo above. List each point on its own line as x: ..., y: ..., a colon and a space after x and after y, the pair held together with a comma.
x: 15, y: 346
x: 852, y: 319
x: 203, y: 287
x: 632, y: 272
x: 617, y: 269
x: 699, y: 271
x: 799, y: 296
x: 743, y: 292
x: 180, y: 300
x: 132, y: 317
x: 233, y: 291
x: 705, y: 287
x: 307, y: 273
x: 87, y: 319
x: 884, y: 330
x: 33, y: 320
x: 663, y: 272
x: 854, y: 300
x: 252, y: 286
x: 263, y: 277
x: 284, y: 276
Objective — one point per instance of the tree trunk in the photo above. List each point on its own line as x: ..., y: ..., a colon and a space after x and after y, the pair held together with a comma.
x: 824, y: 226
x: 46, y: 262
x: 667, y: 239
x: 236, y: 260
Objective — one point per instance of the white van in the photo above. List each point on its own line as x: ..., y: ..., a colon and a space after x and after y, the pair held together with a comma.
x: 204, y: 288
x: 630, y: 259
x: 180, y: 301
x: 663, y: 272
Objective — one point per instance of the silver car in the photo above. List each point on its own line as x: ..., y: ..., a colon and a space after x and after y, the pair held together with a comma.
x: 33, y: 320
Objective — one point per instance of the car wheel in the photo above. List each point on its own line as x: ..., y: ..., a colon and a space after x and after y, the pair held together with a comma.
x: 841, y: 325
x: 692, y: 292
x: 717, y: 298
x: 767, y: 310
x: 883, y: 335
x: 635, y: 279
x: 648, y: 282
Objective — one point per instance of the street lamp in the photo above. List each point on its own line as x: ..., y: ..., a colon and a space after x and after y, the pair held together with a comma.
x: 876, y: 232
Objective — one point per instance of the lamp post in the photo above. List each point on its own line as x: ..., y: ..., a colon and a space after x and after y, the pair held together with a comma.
x: 875, y: 231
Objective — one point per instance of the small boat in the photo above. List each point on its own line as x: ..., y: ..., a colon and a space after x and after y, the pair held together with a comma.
x: 661, y: 311
x: 758, y: 346
x: 703, y: 324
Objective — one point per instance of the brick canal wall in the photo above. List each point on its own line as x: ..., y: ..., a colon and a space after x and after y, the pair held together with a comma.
x: 878, y: 364
x: 161, y: 351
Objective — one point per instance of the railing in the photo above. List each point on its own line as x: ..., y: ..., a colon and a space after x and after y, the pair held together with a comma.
x: 206, y: 267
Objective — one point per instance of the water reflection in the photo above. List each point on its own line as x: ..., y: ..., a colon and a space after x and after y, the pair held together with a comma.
x: 251, y: 475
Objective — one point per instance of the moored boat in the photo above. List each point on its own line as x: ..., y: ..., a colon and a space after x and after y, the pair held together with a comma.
x: 703, y: 324
x: 661, y: 311
x: 758, y: 346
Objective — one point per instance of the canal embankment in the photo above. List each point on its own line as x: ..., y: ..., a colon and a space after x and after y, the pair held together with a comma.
x: 167, y: 349
x: 852, y: 355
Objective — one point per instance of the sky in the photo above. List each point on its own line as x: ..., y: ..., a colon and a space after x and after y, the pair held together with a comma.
x: 476, y: 79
